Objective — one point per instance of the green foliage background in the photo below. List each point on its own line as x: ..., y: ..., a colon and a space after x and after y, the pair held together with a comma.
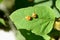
x: 36, y: 29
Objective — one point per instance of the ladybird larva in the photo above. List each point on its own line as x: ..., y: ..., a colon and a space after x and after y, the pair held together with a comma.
x: 28, y: 18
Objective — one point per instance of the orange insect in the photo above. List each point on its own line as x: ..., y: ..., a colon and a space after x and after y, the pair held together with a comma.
x: 28, y: 18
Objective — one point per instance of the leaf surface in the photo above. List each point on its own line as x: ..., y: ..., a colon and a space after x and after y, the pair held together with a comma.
x: 2, y: 21
x: 1, y: 1
x: 41, y: 25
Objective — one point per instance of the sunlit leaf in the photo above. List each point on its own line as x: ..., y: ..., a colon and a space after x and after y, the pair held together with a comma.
x: 58, y: 4
x: 56, y: 13
x: 41, y: 25
x: 46, y: 20
x: 38, y: 1
x: 48, y: 3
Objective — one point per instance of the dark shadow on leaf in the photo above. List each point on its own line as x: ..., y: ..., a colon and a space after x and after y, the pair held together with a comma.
x: 29, y: 35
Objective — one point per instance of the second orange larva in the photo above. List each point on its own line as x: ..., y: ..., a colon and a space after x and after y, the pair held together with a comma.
x: 34, y: 15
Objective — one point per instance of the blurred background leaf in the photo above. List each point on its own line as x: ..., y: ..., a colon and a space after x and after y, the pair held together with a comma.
x: 58, y: 4
x: 1, y: 1
x: 23, y: 34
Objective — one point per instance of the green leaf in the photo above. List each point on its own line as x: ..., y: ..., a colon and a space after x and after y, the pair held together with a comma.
x: 58, y: 4
x: 41, y: 25
x: 46, y: 20
x: 36, y: 1
x: 2, y: 21
x: 48, y: 3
